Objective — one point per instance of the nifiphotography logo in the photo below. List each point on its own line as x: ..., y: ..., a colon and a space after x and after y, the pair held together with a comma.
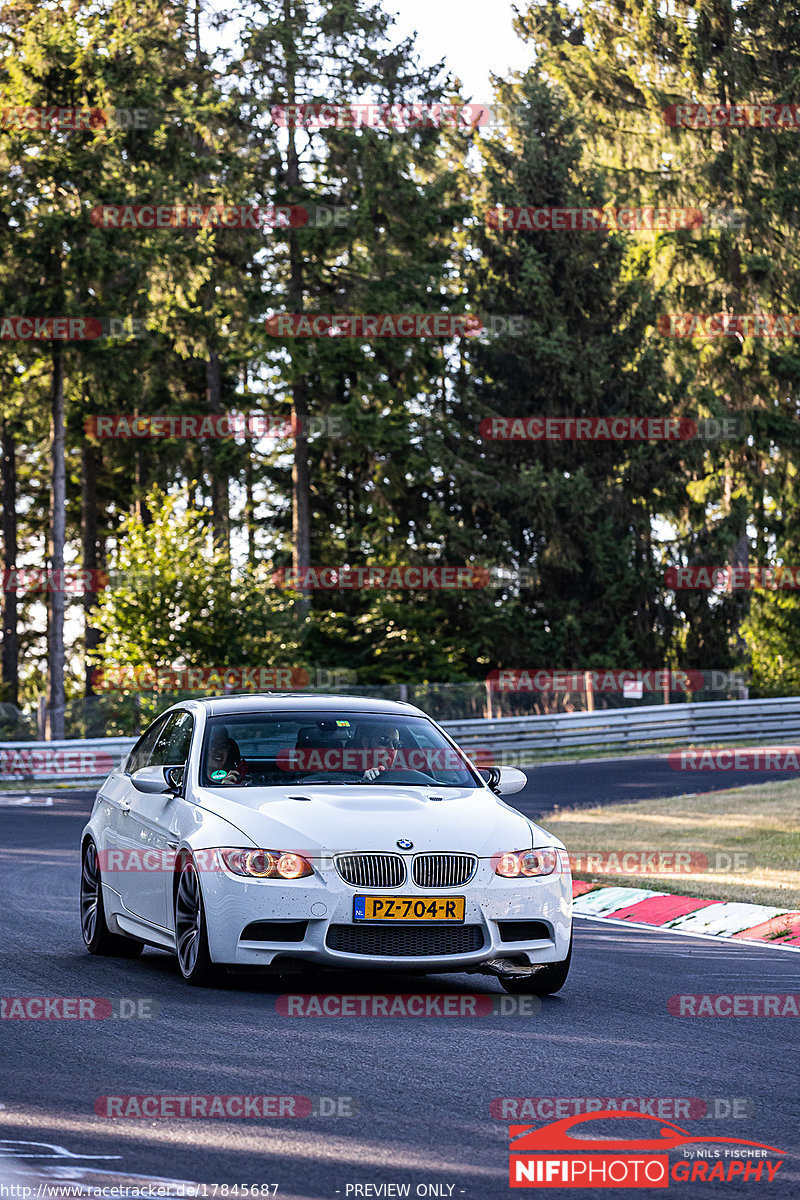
x: 553, y: 1156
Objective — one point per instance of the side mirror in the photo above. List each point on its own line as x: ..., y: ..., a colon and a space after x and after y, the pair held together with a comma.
x: 156, y: 781
x: 511, y: 781
x: 504, y: 781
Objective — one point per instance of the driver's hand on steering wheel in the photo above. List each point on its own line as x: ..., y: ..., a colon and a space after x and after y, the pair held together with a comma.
x: 372, y: 773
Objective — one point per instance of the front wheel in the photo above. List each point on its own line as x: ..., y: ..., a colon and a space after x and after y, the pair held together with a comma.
x: 96, y: 934
x: 191, y: 936
x: 544, y: 982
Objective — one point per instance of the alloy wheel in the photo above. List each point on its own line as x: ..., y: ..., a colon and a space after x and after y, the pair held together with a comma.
x: 188, y: 919
x: 90, y: 893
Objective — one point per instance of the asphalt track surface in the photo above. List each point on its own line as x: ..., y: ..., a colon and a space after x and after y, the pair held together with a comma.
x: 421, y: 1087
x: 619, y: 780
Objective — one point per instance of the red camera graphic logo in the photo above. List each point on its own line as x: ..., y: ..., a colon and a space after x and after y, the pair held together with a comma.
x: 551, y: 1156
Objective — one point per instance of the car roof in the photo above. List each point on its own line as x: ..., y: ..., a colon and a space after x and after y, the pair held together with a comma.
x: 264, y: 702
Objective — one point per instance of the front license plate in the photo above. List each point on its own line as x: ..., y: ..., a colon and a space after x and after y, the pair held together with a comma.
x: 408, y: 908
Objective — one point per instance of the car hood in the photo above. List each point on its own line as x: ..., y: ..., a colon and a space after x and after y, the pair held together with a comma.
x: 342, y: 818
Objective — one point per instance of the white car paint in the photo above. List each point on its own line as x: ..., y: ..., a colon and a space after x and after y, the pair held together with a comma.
x: 329, y: 819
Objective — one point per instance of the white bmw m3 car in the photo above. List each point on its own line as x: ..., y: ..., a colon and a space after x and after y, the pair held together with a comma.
x: 275, y: 831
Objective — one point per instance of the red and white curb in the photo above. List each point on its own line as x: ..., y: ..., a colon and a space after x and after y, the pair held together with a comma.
x: 643, y: 907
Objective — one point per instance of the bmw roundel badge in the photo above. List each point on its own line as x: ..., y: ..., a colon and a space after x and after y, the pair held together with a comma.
x: 405, y: 844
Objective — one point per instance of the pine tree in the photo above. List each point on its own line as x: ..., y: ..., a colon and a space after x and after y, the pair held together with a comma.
x: 576, y: 518
x: 627, y: 67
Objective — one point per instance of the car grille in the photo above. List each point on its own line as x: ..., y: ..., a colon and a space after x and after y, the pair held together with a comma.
x: 405, y: 941
x: 371, y: 870
x: 443, y: 870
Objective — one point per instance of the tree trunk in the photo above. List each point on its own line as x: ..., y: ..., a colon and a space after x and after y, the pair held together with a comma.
x: 91, y: 636
x: 220, y: 493
x: 301, y: 489
x: 249, y: 502
x: 54, y: 726
x: 10, y: 634
x: 140, y: 485
x: 301, y: 476
x: 249, y: 483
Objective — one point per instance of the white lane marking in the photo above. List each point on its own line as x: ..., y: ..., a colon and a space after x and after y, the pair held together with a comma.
x: 83, y: 1175
x: 61, y: 1151
x: 13, y: 801
x: 80, y: 1174
x: 70, y: 1168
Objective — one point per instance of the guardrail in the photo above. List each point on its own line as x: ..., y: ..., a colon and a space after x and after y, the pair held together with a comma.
x: 510, y: 739
x: 54, y: 761
x: 645, y: 728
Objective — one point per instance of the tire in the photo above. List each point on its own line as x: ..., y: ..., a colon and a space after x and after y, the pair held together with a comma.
x: 97, y: 937
x: 191, y: 934
x: 544, y: 982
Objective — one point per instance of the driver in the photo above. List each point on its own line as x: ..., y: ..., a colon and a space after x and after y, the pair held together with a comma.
x: 383, y: 742
x: 225, y: 763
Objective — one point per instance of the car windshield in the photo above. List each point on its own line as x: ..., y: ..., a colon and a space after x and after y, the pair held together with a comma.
x: 276, y: 749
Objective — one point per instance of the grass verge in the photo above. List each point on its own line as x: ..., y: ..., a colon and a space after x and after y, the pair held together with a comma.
x: 759, y: 824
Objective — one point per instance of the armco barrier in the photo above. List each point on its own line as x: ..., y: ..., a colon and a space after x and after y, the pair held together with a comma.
x: 512, y: 739
x: 649, y: 727
x: 52, y: 762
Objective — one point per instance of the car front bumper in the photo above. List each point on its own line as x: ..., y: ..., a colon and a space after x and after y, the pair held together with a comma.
x: 325, y: 903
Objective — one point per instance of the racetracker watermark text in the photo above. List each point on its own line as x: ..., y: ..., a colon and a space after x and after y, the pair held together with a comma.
x: 389, y: 118
x: 223, y: 216
x: 395, y: 325
x: 668, y: 1108
x: 732, y: 325
x: 75, y: 1008
x: 608, y: 429
x: 129, y: 678
x: 601, y: 220
x: 210, y: 1107
x: 657, y: 862
x: 758, y: 758
x: 68, y: 329
x: 763, y: 115
x: 775, y: 1004
x: 43, y: 762
x: 202, y: 426
x: 632, y: 683
x: 406, y: 1005
x: 389, y: 577
x: 732, y: 579
x: 72, y: 119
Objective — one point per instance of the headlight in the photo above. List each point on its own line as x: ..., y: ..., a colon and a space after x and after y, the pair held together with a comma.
x: 525, y: 863
x: 267, y: 864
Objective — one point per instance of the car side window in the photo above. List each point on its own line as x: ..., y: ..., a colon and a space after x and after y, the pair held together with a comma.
x: 140, y: 754
x: 172, y: 746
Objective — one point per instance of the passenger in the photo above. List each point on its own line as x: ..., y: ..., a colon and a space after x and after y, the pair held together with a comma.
x: 224, y: 755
